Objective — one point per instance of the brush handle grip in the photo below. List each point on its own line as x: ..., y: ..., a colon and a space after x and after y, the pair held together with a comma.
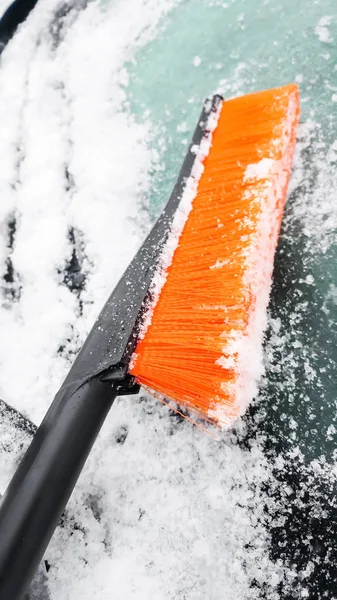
x: 40, y: 489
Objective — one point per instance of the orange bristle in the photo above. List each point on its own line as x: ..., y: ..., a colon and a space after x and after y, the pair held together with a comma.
x: 203, y: 346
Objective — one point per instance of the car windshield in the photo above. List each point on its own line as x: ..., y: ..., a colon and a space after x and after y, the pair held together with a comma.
x: 98, y: 103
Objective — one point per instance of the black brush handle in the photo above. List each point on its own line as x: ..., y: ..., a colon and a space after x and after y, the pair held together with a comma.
x: 39, y: 491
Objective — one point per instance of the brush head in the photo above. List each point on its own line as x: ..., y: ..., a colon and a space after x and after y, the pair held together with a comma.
x: 201, y: 339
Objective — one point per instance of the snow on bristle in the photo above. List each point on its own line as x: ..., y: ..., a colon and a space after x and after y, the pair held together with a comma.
x: 203, y: 342
x: 185, y: 205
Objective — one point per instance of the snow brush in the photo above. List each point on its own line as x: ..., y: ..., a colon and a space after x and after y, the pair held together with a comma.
x: 186, y: 320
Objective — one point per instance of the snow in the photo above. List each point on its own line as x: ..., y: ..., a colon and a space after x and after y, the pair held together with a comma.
x: 161, y: 510
x: 322, y: 30
x: 14, y: 439
x: 67, y: 113
x: 266, y: 180
x: 3, y: 6
x: 260, y: 170
x: 170, y: 525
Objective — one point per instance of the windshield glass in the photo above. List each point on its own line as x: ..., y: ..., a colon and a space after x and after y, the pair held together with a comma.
x: 98, y: 102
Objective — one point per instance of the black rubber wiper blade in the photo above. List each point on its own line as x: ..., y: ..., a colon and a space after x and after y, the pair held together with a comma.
x: 15, y: 14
